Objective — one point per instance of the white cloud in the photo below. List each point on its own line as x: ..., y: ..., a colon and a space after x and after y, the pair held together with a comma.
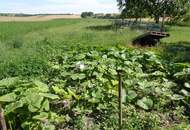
x: 78, y: 6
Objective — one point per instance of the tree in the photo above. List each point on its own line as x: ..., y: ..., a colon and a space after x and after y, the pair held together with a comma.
x: 132, y: 8
x: 87, y: 14
x: 155, y: 8
x: 170, y: 8
x: 181, y: 9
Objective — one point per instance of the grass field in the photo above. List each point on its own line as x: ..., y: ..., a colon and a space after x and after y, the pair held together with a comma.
x: 90, y: 32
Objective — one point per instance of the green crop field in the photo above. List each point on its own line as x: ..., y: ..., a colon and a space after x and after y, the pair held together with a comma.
x: 63, y: 74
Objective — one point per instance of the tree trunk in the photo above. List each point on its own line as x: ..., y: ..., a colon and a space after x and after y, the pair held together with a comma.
x: 135, y: 21
x: 140, y: 20
x: 162, y: 26
x: 2, y: 119
x: 157, y: 19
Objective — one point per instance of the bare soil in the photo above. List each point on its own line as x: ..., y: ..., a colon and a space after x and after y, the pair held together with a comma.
x: 37, y: 18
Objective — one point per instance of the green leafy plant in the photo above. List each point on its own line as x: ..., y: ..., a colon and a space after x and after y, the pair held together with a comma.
x: 82, y: 92
x: 27, y: 103
x: 87, y: 78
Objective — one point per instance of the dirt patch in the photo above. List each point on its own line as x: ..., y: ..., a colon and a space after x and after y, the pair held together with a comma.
x: 37, y: 18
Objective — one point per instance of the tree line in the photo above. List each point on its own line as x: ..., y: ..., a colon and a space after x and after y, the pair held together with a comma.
x: 99, y: 15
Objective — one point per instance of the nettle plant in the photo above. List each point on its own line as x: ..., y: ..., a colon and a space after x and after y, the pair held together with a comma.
x: 27, y: 104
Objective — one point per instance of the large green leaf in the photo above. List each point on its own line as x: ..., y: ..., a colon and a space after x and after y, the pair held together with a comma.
x: 48, y: 95
x: 8, y: 97
x: 31, y: 108
x: 145, y: 103
x: 35, y: 100
x: 42, y: 116
x: 45, y: 105
x: 26, y: 125
x: 41, y: 86
x: 131, y: 95
x: 13, y: 106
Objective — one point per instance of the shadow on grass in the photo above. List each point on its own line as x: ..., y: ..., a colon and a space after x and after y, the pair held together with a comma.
x: 177, y: 52
x: 182, y: 24
x: 103, y: 28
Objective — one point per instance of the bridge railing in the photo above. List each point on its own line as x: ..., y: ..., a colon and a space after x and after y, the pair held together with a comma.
x: 140, y: 25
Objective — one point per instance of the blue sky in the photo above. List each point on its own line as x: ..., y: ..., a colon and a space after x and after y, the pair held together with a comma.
x: 58, y: 6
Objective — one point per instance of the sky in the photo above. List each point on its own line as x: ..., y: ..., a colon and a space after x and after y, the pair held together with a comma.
x: 58, y: 6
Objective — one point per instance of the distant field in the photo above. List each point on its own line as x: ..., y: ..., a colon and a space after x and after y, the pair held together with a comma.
x: 37, y: 18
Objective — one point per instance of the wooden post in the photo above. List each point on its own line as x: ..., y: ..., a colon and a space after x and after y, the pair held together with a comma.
x: 2, y: 119
x: 120, y: 98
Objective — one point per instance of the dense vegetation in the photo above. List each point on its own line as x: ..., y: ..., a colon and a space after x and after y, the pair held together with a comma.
x: 81, y: 91
x: 62, y: 74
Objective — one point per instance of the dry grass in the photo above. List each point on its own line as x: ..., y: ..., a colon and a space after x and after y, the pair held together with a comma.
x: 38, y: 18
